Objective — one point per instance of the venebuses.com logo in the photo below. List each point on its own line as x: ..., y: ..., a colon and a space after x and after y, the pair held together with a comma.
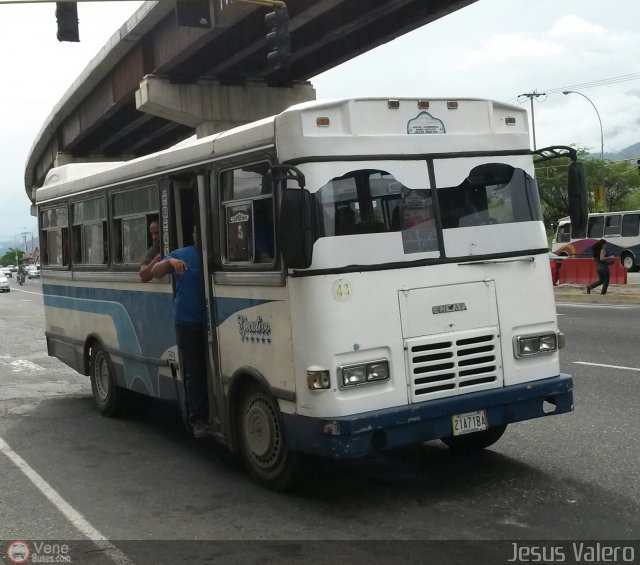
x: 19, y: 551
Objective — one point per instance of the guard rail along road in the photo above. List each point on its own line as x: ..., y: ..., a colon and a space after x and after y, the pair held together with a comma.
x: 570, y: 277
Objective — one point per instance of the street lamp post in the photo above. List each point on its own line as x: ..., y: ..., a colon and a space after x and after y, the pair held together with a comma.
x: 597, y: 113
x: 15, y: 243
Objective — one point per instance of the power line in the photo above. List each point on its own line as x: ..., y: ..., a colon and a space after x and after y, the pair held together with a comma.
x: 531, y: 95
x: 596, y: 83
x: 591, y: 84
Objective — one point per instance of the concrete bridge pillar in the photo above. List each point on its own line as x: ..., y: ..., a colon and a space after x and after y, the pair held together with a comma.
x: 211, y: 107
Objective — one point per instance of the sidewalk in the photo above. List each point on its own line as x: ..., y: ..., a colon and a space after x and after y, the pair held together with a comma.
x: 616, y: 294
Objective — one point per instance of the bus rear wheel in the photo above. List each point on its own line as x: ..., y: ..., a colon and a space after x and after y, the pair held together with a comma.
x: 629, y: 262
x: 475, y: 441
x: 262, y: 443
x: 106, y: 393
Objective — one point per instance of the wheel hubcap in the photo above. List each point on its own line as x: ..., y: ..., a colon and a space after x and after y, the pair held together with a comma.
x: 102, y: 376
x: 262, y: 432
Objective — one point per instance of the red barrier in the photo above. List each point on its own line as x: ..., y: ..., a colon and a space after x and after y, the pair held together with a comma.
x: 583, y: 271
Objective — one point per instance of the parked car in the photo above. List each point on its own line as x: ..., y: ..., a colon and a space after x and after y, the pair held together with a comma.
x: 7, y: 272
x: 33, y: 271
x: 4, y: 283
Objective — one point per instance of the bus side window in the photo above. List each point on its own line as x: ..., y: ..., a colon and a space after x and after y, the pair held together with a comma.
x: 54, y: 224
x: 131, y: 212
x: 89, y: 236
x: 564, y: 233
x: 247, y: 206
x: 612, y: 226
x: 631, y: 225
x: 596, y: 227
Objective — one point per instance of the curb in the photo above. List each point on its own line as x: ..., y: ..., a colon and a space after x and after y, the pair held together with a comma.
x: 617, y: 294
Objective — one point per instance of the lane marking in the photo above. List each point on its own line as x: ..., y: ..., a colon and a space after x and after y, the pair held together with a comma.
x: 607, y: 366
x: 20, y: 365
x: 614, y: 306
x: 27, y: 291
x: 77, y: 519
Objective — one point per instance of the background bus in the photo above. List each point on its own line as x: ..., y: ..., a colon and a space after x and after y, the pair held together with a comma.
x: 375, y: 272
x: 620, y: 229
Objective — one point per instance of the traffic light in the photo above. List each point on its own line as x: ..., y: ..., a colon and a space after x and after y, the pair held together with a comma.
x: 193, y: 13
x: 67, y: 19
x: 278, y: 39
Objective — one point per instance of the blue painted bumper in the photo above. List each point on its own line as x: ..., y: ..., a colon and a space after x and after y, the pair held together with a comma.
x: 361, y: 434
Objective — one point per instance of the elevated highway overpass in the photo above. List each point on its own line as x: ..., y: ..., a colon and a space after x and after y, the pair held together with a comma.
x: 156, y: 83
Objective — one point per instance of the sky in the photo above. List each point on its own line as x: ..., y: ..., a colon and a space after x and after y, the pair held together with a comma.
x: 494, y: 49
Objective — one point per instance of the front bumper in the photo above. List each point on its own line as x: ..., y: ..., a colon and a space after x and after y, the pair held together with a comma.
x: 362, y: 434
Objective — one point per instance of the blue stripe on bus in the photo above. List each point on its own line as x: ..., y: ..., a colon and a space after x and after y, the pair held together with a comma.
x: 136, y: 332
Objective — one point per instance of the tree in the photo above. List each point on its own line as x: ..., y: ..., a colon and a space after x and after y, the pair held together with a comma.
x: 619, y: 182
x: 9, y: 258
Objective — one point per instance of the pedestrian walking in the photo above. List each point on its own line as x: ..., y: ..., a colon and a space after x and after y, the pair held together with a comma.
x: 602, y: 266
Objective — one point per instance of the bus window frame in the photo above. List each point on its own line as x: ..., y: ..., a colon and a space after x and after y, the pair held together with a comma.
x: 566, y: 235
x: 44, y: 239
x: 116, y: 238
x: 223, y: 203
x: 593, y: 220
x: 608, y: 226
x: 82, y: 265
x: 637, y: 225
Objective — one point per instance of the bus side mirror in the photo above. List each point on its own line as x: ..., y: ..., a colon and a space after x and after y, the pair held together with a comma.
x: 578, y: 199
x: 296, y: 228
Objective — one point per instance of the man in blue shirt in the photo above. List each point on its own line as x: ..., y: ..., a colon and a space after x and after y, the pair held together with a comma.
x: 190, y: 318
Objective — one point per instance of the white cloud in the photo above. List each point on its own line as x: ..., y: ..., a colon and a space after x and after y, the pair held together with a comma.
x: 517, y: 48
x: 575, y: 26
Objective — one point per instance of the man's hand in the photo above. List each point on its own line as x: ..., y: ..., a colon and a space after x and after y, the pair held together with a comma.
x: 145, y: 270
x: 178, y: 265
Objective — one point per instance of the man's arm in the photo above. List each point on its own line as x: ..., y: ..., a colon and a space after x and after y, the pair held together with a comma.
x: 145, y: 270
x: 162, y: 268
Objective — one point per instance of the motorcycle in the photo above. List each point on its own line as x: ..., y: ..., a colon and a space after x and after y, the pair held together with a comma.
x: 21, y: 277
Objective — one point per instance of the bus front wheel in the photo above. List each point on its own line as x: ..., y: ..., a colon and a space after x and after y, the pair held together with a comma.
x: 103, y: 383
x: 475, y: 441
x: 262, y: 442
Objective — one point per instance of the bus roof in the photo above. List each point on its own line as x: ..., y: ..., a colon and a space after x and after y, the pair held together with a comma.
x: 382, y: 126
x: 79, y: 177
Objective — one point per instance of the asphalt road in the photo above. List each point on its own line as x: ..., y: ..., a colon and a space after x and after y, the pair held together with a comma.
x: 70, y: 474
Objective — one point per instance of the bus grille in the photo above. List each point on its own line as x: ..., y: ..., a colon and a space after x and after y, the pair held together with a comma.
x: 455, y: 363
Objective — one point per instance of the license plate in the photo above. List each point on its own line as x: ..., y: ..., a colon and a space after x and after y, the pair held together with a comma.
x: 469, y: 422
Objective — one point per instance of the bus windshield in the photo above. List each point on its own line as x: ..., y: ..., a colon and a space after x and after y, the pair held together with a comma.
x: 366, y: 201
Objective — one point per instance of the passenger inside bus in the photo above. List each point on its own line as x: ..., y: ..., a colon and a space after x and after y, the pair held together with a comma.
x: 152, y: 255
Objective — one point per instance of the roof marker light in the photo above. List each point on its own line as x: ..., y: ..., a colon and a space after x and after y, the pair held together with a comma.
x: 323, y: 122
x: 393, y: 104
x: 452, y: 105
x: 423, y: 104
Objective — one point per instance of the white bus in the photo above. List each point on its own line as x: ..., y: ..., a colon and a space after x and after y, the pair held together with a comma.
x: 376, y: 275
x: 620, y: 229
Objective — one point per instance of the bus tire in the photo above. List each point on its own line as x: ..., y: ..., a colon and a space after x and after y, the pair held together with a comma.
x: 106, y: 393
x: 264, y: 451
x: 628, y: 262
x: 475, y: 441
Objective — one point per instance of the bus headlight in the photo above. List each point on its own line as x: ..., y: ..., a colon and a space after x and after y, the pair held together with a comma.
x: 535, y: 344
x: 374, y: 371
